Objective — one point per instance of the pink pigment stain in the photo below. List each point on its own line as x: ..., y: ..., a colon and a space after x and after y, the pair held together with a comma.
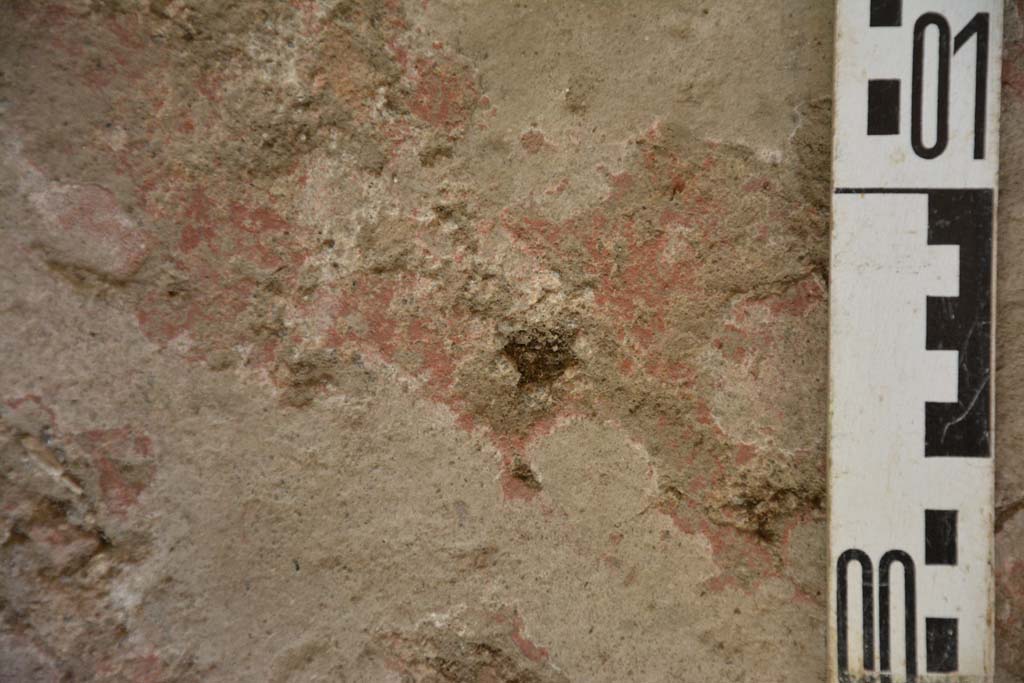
x: 1013, y: 70
x: 528, y: 648
x: 123, y: 461
x: 218, y: 290
x: 444, y: 94
x: 93, y: 213
x: 532, y: 141
x: 1009, y: 578
x: 513, y: 488
x: 745, y: 453
x: 799, y: 299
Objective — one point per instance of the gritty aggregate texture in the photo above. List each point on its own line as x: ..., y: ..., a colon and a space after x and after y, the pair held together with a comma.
x: 436, y: 340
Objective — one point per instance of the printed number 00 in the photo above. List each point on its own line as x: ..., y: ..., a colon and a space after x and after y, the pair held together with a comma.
x: 978, y: 26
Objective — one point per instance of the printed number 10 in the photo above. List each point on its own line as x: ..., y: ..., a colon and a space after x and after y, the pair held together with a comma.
x: 978, y: 26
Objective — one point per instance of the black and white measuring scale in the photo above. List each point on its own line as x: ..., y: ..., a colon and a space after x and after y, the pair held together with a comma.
x: 915, y: 166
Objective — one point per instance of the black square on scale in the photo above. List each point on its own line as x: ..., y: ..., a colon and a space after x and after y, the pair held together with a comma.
x: 886, y: 12
x: 940, y: 537
x: 883, y: 107
x: 941, y: 643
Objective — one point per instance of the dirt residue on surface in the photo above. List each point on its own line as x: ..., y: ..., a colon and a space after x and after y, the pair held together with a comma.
x: 540, y: 356
x: 437, y: 652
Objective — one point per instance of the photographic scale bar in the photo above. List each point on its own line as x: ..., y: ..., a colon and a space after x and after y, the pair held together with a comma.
x: 915, y: 168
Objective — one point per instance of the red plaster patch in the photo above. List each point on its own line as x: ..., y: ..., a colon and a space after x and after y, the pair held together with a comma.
x: 224, y: 251
x: 528, y: 648
x: 558, y: 188
x: 761, y: 184
x: 799, y: 299
x: 745, y: 453
x: 444, y: 94
x: 137, y: 668
x: 532, y: 141
x: 514, y: 488
x: 63, y: 544
x: 1013, y: 70
x: 1010, y: 582
x: 123, y: 462
x: 116, y: 245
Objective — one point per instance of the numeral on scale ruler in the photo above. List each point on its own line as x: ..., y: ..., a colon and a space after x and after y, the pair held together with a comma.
x: 910, y: 449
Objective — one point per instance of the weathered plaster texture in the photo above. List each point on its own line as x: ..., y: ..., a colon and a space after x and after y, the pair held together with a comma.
x: 429, y: 341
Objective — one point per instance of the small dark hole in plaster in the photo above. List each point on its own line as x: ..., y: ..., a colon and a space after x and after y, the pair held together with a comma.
x: 540, y: 356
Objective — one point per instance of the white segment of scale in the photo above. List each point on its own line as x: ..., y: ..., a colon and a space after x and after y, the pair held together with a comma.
x: 915, y: 166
